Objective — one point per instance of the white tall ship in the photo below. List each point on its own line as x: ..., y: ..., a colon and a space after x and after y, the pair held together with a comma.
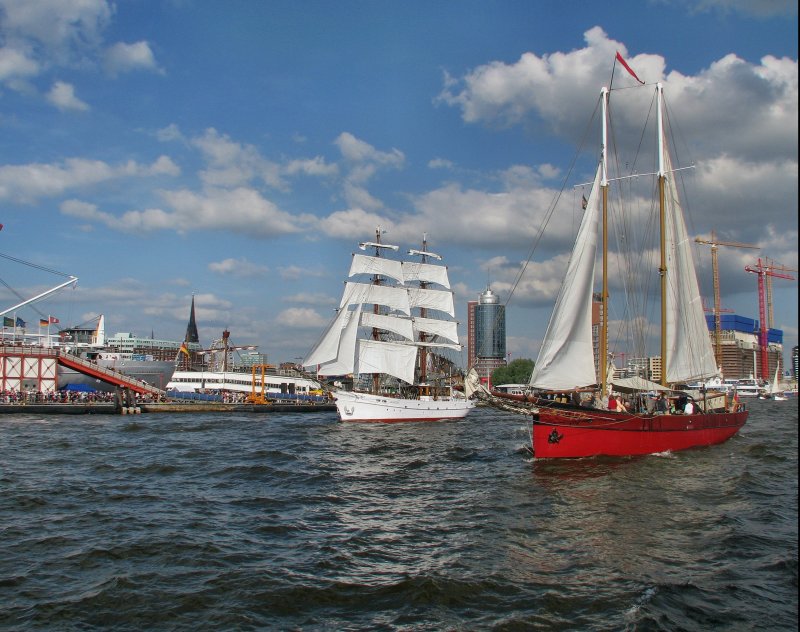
x: 394, y: 322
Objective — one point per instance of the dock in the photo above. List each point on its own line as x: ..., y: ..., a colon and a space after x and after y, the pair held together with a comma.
x: 111, y: 408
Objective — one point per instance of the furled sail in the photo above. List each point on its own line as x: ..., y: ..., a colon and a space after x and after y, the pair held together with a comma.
x: 566, y: 359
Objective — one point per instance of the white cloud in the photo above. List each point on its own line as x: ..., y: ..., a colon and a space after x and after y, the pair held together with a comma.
x: 169, y: 133
x: 307, y: 298
x: 231, y: 163
x: 757, y: 8
x: 62, y: 95
x: 301, y: 318
x: 239, y: 268
x: 123, y: 57
x: 440, y: 163
x: 15, y: 63
x: 240, y: 210
x: 313, y: 166
x: 739, y: 120
x: 28, y: 183
x: 57, y: 26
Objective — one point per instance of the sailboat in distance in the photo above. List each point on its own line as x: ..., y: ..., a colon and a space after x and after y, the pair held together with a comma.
x: 395, y: 319
x: 569, y: 386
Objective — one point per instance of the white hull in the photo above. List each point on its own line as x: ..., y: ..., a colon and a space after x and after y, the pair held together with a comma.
x: 365, y: 407
x: 204, y: 381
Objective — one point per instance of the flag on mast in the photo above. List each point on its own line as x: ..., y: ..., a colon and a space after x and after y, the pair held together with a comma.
x: 628, y: 68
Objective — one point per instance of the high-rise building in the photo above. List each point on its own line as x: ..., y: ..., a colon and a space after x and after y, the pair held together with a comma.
x: 794, y: 362
x: 486, y: 333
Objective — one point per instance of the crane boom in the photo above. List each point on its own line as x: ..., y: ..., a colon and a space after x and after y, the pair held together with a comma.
x: 715, y: 243
x: 765, y: 270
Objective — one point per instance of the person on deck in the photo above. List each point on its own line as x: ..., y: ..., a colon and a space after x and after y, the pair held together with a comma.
x: 661, y: 404
x: 612, y: 402
x: 688, y: 409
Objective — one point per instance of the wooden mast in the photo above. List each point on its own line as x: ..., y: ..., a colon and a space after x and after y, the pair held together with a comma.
x: 662, y: 270
x: 603, y: 347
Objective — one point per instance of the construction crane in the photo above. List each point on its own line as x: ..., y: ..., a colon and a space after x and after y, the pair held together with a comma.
x: 715, y: 243
x: 778, y: 268
x: 764, y: 271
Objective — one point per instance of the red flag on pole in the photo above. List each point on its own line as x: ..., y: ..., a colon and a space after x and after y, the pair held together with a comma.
x: 628, y: 68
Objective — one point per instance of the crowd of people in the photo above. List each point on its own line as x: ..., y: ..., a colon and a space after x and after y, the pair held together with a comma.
x: 641, y: 403
x: 66, y: 396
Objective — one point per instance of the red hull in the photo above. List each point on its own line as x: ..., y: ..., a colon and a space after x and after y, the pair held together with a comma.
x: 576, y: 433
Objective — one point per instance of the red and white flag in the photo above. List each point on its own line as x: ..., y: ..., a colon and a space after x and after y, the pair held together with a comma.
x: 628, y: 68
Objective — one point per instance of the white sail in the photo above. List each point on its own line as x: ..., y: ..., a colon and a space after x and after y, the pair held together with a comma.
x: 566, y: 359
x: 327, y: 348
x: 441, y: 300
x: 425, y: 272
x: 391, y: 358
x: 446, y: 329
x: 375, y: 335
x: 690, y: 355
x: 388, y: 295
x: 395, y: 324
x: 365, y: 264
x: 344, y: 362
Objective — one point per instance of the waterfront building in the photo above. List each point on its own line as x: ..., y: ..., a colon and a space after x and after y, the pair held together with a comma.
x: 486, y: 333
x: 794, y: 363
x: 741, y: 354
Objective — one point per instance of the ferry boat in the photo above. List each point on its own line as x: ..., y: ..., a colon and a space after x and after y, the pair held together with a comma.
x: 270, y: 384
x: 225, y: 372
x: 748, y: 388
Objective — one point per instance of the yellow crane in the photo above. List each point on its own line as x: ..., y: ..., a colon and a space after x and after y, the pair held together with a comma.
x: 715, y: 244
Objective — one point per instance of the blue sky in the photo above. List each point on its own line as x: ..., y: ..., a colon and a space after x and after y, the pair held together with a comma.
x: 239, y: 150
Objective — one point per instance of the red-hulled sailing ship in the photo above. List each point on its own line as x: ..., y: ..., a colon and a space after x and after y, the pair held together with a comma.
x: 565, y: 426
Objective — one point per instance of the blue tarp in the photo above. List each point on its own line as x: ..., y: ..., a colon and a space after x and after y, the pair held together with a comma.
x: 80, y: 388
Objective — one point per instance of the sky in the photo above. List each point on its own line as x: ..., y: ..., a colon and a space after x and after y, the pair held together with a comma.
x: 238, y: 151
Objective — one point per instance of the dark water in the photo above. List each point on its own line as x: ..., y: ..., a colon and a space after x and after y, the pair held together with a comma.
x: 298, y: 522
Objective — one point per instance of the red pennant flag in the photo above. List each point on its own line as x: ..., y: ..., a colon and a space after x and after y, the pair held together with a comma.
x: 628, y: 68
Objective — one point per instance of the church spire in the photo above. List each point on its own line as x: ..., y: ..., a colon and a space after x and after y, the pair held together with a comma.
x: 191, y: 328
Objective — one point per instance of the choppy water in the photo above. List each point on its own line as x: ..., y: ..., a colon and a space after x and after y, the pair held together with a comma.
x: 298, y: 522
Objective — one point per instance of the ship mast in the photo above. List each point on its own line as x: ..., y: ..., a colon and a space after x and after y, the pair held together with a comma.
x: 662, y: 270
x: 376, y: 280
x: 423, y: 355
x: 603, y: 350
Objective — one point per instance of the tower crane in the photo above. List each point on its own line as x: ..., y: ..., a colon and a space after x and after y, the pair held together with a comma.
x: 778, y: 268
x: 765, y: 270
x: 715, y: 243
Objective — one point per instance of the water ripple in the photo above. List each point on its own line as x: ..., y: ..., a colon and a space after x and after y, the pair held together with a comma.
x: 298, y: 522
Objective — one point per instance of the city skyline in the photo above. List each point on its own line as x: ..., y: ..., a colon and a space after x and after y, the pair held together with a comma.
x: 236, y: 153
